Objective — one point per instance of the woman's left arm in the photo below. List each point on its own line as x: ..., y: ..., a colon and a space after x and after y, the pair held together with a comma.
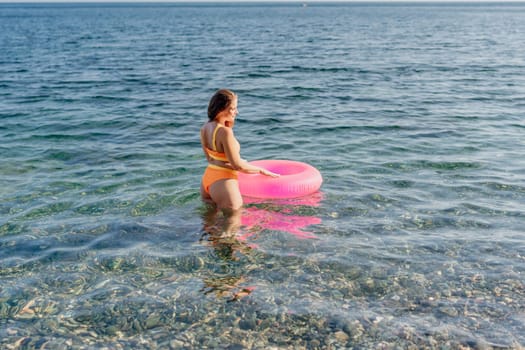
x: 208, y: 158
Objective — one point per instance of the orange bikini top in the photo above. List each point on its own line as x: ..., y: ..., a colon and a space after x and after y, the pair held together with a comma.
x: 213, y: 153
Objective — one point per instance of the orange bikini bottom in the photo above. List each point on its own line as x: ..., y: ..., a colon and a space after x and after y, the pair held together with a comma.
x: 214, y: 173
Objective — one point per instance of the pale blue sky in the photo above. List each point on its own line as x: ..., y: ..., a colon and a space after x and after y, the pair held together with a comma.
x: 306, y: 1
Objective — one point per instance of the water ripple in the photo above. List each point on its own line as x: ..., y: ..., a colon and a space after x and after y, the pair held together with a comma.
x: 414, y: 240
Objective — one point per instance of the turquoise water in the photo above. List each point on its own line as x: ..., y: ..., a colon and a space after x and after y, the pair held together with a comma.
x: 412, y: 113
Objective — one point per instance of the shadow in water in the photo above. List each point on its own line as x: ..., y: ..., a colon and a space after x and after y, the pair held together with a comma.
x: 220, y: 231
x: 229, y: 234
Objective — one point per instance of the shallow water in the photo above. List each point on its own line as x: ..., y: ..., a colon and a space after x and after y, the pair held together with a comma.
x: 412, y: 113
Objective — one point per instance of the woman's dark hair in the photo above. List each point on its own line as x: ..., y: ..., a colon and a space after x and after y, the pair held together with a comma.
x: 221, y: 100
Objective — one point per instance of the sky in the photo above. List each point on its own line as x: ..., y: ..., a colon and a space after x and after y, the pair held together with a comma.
x: 305, y: 1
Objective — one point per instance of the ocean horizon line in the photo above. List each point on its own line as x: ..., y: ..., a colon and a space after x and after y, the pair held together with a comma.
x: 427, y: 2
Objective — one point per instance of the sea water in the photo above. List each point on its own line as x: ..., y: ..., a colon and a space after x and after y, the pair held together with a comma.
x: 413, y: 113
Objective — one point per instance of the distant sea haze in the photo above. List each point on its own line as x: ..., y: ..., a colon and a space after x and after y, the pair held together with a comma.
x: 413, y: 113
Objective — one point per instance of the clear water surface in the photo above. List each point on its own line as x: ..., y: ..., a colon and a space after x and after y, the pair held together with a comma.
x: 412, y: 113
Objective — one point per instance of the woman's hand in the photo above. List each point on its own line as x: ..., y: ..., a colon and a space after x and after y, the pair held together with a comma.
x: 268, y: 173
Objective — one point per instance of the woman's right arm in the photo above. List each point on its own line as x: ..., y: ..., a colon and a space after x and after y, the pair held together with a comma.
x: 232, y: 150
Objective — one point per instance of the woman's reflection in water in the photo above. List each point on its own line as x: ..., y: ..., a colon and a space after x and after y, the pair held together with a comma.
x: 220, y: 229
x: 229, y: 232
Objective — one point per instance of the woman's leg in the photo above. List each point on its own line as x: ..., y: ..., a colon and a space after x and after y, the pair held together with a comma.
x: 206, y: 196
x: 225, y: 193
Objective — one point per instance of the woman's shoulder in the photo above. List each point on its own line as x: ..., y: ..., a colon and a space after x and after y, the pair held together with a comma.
x: 224, y: 131
x: 207, y: 127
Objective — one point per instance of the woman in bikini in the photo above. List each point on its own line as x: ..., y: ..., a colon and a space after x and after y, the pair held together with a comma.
x: 222, y: 150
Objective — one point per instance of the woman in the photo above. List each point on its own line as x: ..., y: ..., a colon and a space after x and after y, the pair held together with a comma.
x: 219, y: 182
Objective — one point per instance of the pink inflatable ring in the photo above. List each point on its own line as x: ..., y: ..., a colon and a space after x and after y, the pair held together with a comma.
x: 297, y: 179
